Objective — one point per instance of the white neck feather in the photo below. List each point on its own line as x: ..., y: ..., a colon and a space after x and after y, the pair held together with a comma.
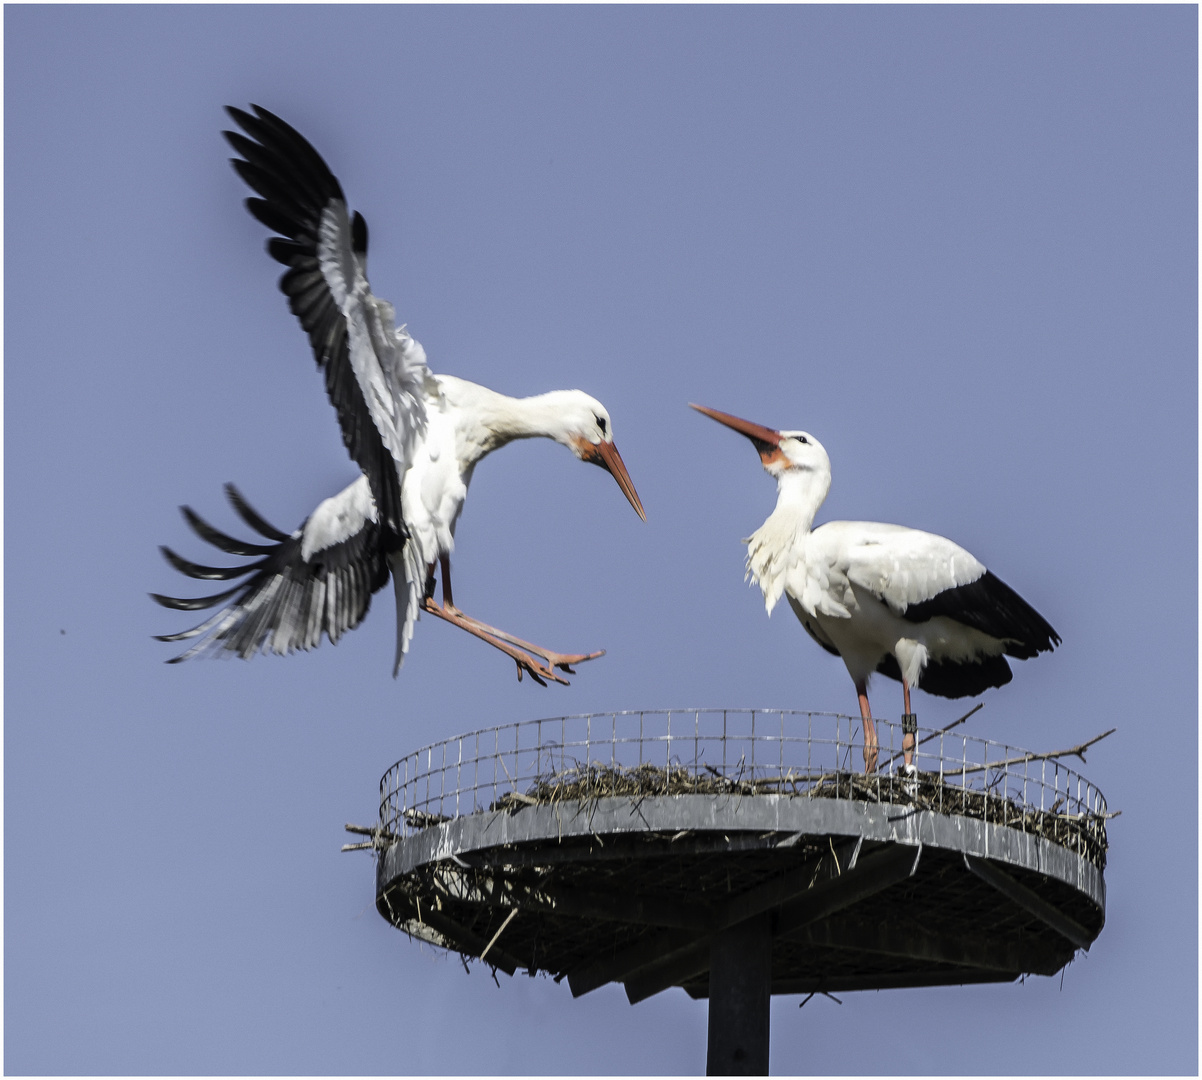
x: 487, y: 420
x: 776, y: 545
x: 799, y: 494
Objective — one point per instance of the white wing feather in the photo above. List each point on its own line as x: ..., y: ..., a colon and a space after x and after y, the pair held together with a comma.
x: 899, y: 566
x: 389, y: 364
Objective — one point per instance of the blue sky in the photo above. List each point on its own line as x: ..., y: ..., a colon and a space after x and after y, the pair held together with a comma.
x: 958, y: 244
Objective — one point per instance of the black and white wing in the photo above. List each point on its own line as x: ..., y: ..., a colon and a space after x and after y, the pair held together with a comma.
x: 922, y: 576
x: 317, y: 581
x: 376, y: 376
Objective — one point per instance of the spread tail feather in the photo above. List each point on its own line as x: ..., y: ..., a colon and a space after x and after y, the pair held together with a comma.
x: 407, y: 586
x: 402, y: 604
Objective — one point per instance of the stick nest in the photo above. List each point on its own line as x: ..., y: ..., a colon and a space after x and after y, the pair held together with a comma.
x: 1084, y: 832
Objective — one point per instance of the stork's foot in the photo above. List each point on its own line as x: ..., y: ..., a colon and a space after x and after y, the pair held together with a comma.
x: 564, y: 661
x: 521, y: 652
x: 550, y: 657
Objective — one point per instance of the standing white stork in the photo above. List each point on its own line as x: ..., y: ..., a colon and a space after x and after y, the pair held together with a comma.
x: 909, y: 604
x: 416, y: 436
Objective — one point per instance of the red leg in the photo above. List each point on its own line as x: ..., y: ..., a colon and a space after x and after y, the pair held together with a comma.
x: 499, y: 639
x: 909, y: 738
x: 524, y: 662
x: 553, y: 659
x: 870, y: 743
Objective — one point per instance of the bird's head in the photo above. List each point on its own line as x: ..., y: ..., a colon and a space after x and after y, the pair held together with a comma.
x: 781, y: 452
x: 584, y: 427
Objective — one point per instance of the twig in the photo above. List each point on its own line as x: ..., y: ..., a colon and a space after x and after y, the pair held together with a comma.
x: 823, y: 993
x: 508, y: 920
x: 1078, y: 750
x: 380, y: 837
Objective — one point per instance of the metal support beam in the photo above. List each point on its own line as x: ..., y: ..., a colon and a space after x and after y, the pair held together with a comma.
x: 647, y: 909
x: 835, y: 984
x: 1030, y: 902
x: 870, y: 875
x: 740, y: 999
x: 619, y: 967
x: 669, y: 971
x: 671, y: 957
x: 829, y: 891
x: 976, y: 951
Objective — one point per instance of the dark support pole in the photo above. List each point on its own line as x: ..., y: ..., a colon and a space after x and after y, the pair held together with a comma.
x: 740, y: 995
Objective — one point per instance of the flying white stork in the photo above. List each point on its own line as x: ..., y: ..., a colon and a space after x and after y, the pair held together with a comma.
x: 415, y: 436
x: 909, y: 604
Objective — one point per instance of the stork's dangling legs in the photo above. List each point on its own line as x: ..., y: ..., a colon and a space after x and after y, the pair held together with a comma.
x: 553, y: 659
x: 524, y: 662
x: 498, y: 639
x: 870, y: 743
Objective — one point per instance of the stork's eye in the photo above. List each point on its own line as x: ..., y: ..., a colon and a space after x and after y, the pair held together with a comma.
x: 601, y: 423
x: 803, y: 439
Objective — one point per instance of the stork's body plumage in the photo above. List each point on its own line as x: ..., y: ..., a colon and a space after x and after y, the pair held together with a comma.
x: 909, y: 604
x: 415, y: 436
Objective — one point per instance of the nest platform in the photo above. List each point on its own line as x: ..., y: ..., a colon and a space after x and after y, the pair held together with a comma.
x: 658, y: 849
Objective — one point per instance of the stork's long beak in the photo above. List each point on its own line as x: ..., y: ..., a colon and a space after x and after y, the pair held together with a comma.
x: 765, y: 439
x: 606, y: 455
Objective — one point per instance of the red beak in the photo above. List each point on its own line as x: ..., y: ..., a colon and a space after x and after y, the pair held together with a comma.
x: 765, y: 439
x: 606, y: 455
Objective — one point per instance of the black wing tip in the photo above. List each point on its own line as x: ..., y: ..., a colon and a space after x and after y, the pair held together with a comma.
x: 1038, y: 633
x: 990, y: 605
x: 193, y: 603
x: 251, y: 516
x: 243, y: 118
x: 358, y: 234
x: 267, y: 115
x: 285, y: 252
x: 220, y: 540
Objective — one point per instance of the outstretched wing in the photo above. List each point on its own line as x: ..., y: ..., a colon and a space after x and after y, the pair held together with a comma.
x: 376, y: 376
x: 317, y: 581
